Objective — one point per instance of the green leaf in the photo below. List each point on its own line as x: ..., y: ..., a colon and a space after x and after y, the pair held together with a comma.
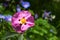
x: 8, y: 36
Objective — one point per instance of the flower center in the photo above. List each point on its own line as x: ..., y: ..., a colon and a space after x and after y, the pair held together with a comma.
x: 23, y: 20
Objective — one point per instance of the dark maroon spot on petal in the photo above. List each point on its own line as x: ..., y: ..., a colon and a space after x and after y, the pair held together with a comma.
x: 20, y: 24
x: 23, y: 17
x: 25, y: 23
x: 19, y: 19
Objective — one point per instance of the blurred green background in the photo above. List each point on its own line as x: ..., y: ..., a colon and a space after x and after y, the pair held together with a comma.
x: 43, y: 29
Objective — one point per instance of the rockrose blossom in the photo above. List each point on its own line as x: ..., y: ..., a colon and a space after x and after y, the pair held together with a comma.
x: 21, y: 21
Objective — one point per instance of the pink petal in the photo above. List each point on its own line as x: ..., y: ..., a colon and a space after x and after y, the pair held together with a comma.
x: 25, y: 14
x: 25, y: 27
x: 31, y: 19
x: 18, y: 29
x: 16, y: 15
x: 30, y: 24
x: 15, y: 21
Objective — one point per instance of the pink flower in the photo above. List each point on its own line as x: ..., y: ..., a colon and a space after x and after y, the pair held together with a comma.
x: 21, y: 21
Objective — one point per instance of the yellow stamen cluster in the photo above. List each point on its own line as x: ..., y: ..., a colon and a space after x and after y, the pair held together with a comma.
x: 23, y: 21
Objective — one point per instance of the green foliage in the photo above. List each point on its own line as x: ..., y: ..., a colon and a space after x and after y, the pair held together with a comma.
x: 42, y: 29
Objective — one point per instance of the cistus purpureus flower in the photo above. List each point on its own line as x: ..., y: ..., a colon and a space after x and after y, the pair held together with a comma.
x: 21, y: 21
x: 8, y: 18
x: 25, y: 4
x: 18, y: 8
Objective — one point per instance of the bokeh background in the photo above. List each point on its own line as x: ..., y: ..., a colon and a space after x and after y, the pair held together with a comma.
x: 43, y: 29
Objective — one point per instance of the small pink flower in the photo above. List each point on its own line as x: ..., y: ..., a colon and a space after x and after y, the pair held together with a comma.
x: 22, y: 20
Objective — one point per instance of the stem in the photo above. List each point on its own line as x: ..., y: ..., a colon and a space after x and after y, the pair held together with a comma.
x: 21, y: 37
